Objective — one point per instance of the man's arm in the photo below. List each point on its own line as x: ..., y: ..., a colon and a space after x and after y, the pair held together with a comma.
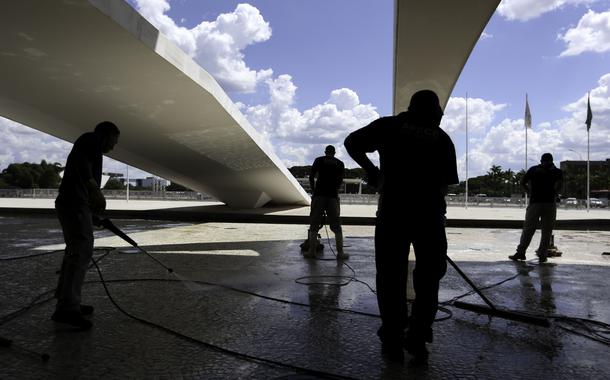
x: 525, y: 182
x: 83, y: 160
x: 559, y: 183
x: 341, y: 174
x: 361, y: 142
x: 312, y: 175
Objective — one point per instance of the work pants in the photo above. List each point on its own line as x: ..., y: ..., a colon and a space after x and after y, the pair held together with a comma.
x: 77, y: 228
x: 395, y: 231
x: 330, y: 205
x: 546, y: 213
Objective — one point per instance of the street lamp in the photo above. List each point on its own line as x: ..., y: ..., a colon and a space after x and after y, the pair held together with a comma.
x: 579, y: 155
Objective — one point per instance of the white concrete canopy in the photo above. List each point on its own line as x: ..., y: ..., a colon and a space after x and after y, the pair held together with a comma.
x: 433, y: 39
x: 67, y: 65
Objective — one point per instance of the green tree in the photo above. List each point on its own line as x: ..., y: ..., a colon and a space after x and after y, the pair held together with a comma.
x: 176, y: 187
x: 114, y: 184
x: 28, y: 175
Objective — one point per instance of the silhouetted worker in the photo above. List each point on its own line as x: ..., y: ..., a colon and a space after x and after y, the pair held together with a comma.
x: 325, y: 199
x: 79, y: 200
x: 417, y: 161
x: 542, y: 182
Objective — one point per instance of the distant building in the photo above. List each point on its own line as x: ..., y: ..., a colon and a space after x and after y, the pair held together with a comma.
x: 575, y: 177
x: 155, y: 183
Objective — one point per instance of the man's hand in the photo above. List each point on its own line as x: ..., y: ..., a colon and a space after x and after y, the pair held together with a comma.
x: 97, y: 202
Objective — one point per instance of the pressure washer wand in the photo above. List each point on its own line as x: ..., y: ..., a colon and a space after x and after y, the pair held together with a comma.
x: 107, y: 224
x: 472, y: 285
x: 492, y: 310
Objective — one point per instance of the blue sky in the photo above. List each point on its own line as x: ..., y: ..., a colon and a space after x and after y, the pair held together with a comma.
x: 306, y: 73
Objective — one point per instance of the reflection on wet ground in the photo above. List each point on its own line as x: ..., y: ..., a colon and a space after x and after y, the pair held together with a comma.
x: 238, y: 293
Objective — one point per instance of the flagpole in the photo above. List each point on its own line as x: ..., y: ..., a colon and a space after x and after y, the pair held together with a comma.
x: 588, y: 191
x: 525, y: 125
x: 466, y: 199
x: 127, y: 193
x: 588, y: 123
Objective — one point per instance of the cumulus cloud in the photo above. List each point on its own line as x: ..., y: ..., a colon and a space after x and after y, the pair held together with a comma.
x: 591, y: 34
x: 300, y: 136
x: 24, y: 144
x: 480, y: 114
x: 503, y: 143
x: 524, y: 10
x: 216, y: 45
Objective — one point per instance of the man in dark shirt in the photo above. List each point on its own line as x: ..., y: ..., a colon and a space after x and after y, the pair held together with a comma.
x: 417, y: 161
x: 325, y: 199
x: 542, y: 182
x: 79, y: 200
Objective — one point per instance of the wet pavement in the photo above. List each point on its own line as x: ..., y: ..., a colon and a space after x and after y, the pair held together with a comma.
x: 237, y: 307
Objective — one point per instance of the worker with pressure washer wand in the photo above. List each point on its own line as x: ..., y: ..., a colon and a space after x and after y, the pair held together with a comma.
x: 417, y: 160
x: 78, y: 203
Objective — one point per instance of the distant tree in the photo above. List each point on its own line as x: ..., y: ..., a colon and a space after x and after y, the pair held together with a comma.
x: 176, y: 187
x: 300, y: 171
x: 28, y: 175
x: 114, y: 184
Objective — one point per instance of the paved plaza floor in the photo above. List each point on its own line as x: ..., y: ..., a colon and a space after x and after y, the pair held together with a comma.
x: 238, y: 306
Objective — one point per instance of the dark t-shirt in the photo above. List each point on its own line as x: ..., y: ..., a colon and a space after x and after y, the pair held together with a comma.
x: 542, y: 183
x: 416, y: 162
x: 329, y: 171
x: 84, y: 162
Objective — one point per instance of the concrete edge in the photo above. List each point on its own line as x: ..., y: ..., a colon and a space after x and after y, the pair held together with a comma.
x: 203, y: 217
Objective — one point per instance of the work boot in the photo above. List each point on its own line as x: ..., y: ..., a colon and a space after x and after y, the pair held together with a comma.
x: 517, y: 256
x: 416, y: 346
x: 542, y: 258
x: 341, y: 255
x: 72, y: 318
x: 391, y: 345
x: 310, y: 253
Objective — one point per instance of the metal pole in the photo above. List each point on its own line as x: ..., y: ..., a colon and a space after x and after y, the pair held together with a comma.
x: 127, y: 193
x: 588, y: 189
x: 466, y: 198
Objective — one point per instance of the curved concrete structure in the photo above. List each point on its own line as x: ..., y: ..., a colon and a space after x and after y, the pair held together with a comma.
x: 433, y: 39
x: 66, y: 65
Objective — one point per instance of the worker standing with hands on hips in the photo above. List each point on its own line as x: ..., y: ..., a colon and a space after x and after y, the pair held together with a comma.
x: 417, y: 160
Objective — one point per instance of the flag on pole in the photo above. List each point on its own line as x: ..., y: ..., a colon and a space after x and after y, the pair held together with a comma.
x: 528, y: 114
x: 589, y: 113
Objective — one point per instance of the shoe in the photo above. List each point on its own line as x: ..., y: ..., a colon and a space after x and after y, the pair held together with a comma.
x: 393, y: 352
x: 341, y: 255
x: 542, y: 259
x: 517, y: 256
x: 72, y: 318
x: 417, y: 349
x: 339, y: 244
x: 86, y: 309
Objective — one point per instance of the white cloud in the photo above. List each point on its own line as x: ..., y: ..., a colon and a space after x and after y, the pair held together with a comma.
x: 523, y: 10
x: 480, y: 114
x: 23, y: 144
x: 299, y: 137
x: 216, y: 45
x: 566, y: 138
x: 591, y: 34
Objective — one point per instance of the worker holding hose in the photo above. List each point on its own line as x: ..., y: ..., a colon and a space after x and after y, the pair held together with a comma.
x: 78, y: 202
x: 417, y: 160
